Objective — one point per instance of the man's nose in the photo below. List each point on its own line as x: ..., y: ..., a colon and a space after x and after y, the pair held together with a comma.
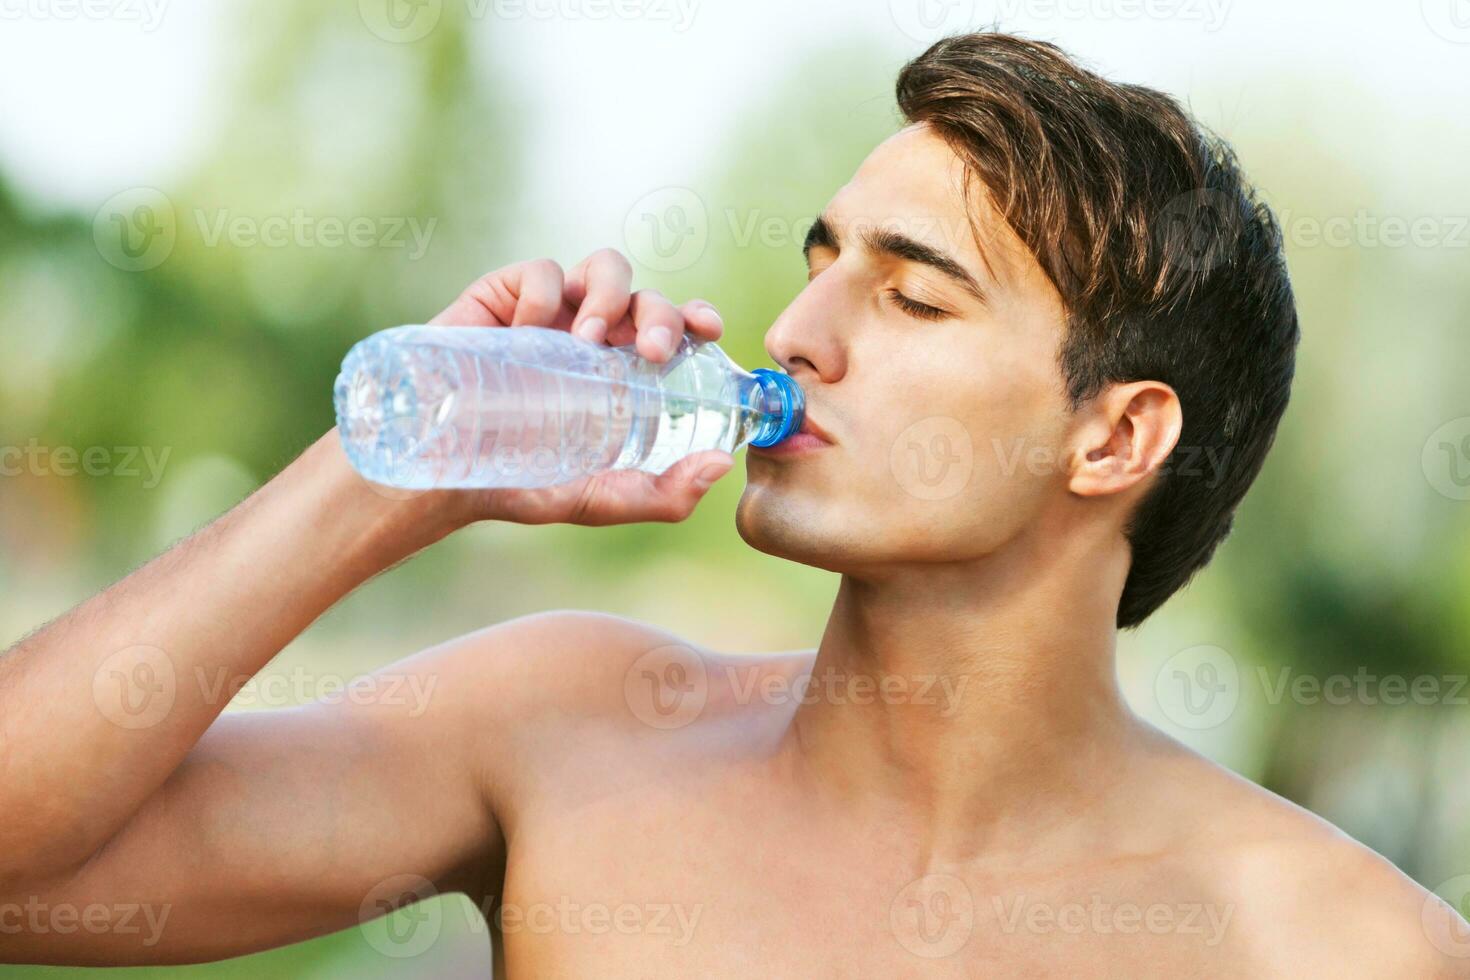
x: 809, y: 336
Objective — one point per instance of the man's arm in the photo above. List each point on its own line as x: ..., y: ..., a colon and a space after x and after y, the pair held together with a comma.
x: 288, y: 814
x: 118, y: 784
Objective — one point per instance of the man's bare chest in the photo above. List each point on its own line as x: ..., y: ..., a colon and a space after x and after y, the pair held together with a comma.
x: 709, y: 890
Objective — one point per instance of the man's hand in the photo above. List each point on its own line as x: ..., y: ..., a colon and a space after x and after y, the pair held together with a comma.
x: 594, y: 301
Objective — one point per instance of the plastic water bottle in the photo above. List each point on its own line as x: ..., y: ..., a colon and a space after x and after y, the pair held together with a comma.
x: 421, y: 407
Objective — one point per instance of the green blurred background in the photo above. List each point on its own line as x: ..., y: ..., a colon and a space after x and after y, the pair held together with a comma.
x: 701, y: 144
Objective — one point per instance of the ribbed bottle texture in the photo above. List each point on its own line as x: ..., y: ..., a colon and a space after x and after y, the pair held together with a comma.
x: 421, y: 407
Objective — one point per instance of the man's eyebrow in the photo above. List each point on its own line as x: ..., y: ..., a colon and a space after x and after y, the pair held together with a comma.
x: 818, y: 236
x: 885, y: 241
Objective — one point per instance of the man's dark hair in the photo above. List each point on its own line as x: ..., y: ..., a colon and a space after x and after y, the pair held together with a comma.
x: 1169, y: 267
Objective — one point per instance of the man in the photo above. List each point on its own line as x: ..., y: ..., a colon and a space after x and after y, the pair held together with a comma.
x: 951, y: 784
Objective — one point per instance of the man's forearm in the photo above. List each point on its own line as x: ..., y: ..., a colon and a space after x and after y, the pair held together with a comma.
x: 99, y: 707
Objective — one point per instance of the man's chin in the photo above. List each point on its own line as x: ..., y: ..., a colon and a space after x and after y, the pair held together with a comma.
x: 771, y: 522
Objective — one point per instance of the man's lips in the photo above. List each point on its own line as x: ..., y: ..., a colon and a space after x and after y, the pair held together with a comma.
x: 808, y: 438
x: 810, y: 428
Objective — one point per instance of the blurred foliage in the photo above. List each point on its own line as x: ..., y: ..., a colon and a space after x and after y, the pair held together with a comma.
x: 1344, y: 557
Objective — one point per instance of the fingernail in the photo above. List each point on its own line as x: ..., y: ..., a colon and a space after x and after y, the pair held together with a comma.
x: 713, y: 315
x: 661, y: 338
x: 594, y: 328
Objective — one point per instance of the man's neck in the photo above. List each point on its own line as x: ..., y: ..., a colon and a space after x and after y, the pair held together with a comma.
x: 975, y: 704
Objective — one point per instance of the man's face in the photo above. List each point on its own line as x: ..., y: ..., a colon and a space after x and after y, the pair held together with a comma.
x: 930, y: 361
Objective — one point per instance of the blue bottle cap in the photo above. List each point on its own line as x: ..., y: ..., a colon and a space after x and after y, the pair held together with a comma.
x: 793, y: 406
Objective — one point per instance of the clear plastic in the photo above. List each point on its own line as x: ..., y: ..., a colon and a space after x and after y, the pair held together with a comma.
x: 423, y: 407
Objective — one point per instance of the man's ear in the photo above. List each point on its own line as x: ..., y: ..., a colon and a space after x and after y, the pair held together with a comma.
x: 1126, y: 433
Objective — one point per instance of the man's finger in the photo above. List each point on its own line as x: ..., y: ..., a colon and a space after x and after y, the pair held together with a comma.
x: 679, y: 488
x: 630, y: 496
x: 600, y: 288
x: 486, y: 302
x: 538, y: 287
x: 658, y: 324
x: 702, y: 319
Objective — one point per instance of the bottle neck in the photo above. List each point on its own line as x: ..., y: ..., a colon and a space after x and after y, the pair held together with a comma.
x: 780, y: 406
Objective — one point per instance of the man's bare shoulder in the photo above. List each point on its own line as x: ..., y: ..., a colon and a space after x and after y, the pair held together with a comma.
x: 575, y: 670
x: 1307, y: 898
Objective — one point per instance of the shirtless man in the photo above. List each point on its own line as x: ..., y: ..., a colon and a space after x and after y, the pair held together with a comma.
x: 950, y: 784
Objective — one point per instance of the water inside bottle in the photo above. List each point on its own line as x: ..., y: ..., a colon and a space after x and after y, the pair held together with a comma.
x: 544, y: 409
